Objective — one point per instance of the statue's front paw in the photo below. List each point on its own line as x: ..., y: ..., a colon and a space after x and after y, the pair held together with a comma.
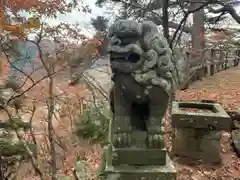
x: 121, y: 140
x: 155, y: 141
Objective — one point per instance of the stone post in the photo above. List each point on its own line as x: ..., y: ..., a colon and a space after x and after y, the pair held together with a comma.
x: 197, y: 130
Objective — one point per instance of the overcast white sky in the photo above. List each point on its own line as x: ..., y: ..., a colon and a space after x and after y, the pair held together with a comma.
x: 84, y: 19
x: 81, y: 18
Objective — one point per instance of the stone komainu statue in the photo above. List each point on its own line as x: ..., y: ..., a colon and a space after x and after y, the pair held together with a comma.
x: 141, y: 64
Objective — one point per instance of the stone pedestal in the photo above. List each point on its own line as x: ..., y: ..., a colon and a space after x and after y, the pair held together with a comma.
x: 197, y: 130
x: 197, y: 144
x: 137, y: 162
x: 139, y: 156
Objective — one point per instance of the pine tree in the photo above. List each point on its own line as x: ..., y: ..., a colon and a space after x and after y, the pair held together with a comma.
x: 12, y: 152
x: 100, y: 24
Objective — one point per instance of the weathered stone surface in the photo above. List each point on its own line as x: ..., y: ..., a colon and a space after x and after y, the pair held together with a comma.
x: 166, y: 172
x: 197, y: 144
x: 198, y: 155
x: 209, y: 154
x: 185, y: 139
x: 141, y: 63
x: 137, y: 156
x: 209, y: 146
x: 236, y: 140
x: 198, y: 133
x: 215, y: 118
x: 139, y: 138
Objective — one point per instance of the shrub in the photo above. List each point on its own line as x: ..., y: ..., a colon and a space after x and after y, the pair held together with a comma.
x: 93, y: 124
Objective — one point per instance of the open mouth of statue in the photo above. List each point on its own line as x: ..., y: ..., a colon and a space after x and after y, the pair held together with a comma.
x: 131, y: 57
x: 130, y: 53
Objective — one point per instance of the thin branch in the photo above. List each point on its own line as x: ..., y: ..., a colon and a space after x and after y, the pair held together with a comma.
x: 226, y: 9
x: 186, y: 14
x: 31, y: 129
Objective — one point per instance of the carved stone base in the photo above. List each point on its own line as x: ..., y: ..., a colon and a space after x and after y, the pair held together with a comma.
x: 137, y: 156
x: 128, y: 172
x: 117, y: 168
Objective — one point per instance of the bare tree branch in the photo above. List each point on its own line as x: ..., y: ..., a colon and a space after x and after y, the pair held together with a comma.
x: 226, y: 9
x: 183, y: 21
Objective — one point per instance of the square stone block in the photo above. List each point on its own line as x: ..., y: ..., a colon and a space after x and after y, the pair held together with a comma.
x: 200, y: 115
x: 150, y: 172
x: 194, y: 144
x: 185, y: 142
x: 138, y: 156
x: 209, y: 146
x: 201, y: 145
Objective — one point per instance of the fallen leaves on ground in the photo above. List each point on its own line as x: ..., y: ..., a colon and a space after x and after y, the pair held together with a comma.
x: 224, y: 88
x: 68, y: 101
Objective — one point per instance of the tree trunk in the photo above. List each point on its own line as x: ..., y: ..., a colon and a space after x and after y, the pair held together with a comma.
x: 198, y: 27
x: 165, y: 19
x: 198, y: 42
